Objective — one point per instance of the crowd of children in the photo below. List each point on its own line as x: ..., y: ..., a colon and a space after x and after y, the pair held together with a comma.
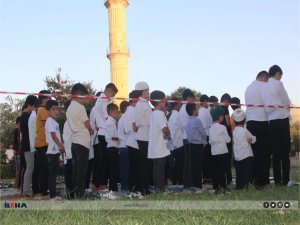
x: 144, y: 145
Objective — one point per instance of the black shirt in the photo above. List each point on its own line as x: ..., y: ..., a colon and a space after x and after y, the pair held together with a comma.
x: 25, y: 145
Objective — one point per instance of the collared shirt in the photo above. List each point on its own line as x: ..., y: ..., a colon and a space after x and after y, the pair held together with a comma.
x: 142, y: 114
x: 76, y: 117
x: 32, y: 130
x: 131, y: 140
x: 93, y: 123
x: 101, y: 113
x: 52, y: 126
x: 205, y: 118
x: 241, y: 148
x: 110, y: 132
x: 195, y: 131
x: 176, y: 131
x: 275, y: 94
x: 121, y: 131
x: 67, y: 137
x: 254, y: 95
x: 218, y: 138
x: 184, y: 117
x: 157, y: 143
x: 41, y: 117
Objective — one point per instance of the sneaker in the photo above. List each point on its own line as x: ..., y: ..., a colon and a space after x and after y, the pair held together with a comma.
x: 138, y: 195
x: 109, y: 195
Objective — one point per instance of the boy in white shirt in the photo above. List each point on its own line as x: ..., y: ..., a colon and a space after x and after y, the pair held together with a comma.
x: 242, y: 150
x: 111, y: 137
x: 67, y: 137
x: 55, y: 146
x: 218, y: 139
x: 158, y: 135
x: 176, y: 134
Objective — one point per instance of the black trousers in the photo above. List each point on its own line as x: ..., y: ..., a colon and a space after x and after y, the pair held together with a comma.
x: 43, y: 172
x: 261, y: 152
x: 53, y: 167
x: 197, y: 164
x: 179, y: 164
x: 228, y: 171
x: 68, y: 176
x: 114, y: 168
x: 103, y: 164
x: 35, y: 174
x: 207, y: 162
x: 281, y: 146
x: 97, y: 165
x: 159, y: 166
x: 145, y: 168
x: 80, y: 158
x: 187, y: 168
x: 133, y: 169
x: 219, y: 164
x: 244, y: 170
x: 89, y: 173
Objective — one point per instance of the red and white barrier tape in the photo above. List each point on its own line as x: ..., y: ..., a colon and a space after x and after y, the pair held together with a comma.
x: 56, y: 95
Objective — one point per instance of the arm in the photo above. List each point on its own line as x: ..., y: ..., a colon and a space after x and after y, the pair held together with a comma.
x: 56, y: 140
x: 88, y: 126
x: 250, y: 138
x: 227, y: 138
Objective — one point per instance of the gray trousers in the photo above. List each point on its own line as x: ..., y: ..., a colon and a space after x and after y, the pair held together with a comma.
x: 159, y: 166
x: 29, y: 157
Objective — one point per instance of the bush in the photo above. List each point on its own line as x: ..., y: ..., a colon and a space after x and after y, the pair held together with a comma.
x: 6, y: 171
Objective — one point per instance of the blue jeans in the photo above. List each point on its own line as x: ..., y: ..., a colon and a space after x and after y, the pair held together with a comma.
x: 124, y: 169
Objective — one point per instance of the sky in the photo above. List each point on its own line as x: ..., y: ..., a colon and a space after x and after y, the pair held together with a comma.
x: 210, y: 46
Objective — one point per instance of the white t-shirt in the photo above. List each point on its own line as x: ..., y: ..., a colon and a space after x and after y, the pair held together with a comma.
x: 110, y: 132
x: 241, y: 148
x: 52, y: 126
x: 176, y: 131
x: 121, y: 131
x: 129, y: 115
x: 76, y: 117
x: 67, y: 136
x: 184, y: 117
x: 101, y: 113
x: 254, y: 95
x: 205, y: 118
x: 157, y: 144
x: 218, y: 138
x: 32, y: 130
x: 142, y: 114
x: 10, y: 153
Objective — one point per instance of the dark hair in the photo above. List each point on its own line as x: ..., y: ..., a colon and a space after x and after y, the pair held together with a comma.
x: 157, y: 95
x: 187, y: 93
x: 41, y: 97
x: 273, y: 70
x: 240, y: 123
x: 235, y: 100
x: 190, y: 108
x: 262, y: 74
x: 173, y: 104
x: 123, y: 106
x: 139, y: 93
x: 204, y: 98
x: 18, y: 119
x: 50, y: 104
x: 112, y: 86
x: 30, y: 100
x: 79, y: 89
x: 111, y: 107
x: 98, y: 93
x: 133, y: 94
x: 226, y: 96
x: 213, y: 99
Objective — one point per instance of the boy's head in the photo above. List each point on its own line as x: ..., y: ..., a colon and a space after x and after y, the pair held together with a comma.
x: 188, y: 95
x: 142, y: 89
x: 204, y: 99
x: 275, y: 72
x: 226, y: 98
x: 262, y: 76
x: 52, y: 108
x: 213, y: 99
x: 30, y: 102
x: 235, y: 100
x: 123, y: 106
x: 158, y: 95
x: 79, y: 89
x: 217, y: 114
x: 133, y: 94
x: 43, y: 99
x: 239, y: 117
x: 110, y: 90
x: 113, y: 110
x: 175, y: 105
x: 191, y: 109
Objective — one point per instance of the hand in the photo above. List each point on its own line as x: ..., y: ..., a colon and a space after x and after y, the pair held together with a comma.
x: 249, y: 140
x: 134, y: 127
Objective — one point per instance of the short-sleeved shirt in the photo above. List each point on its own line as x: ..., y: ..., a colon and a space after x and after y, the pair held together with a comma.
x: 42, y: 116
x: 76, y: 117
x: 157, y: 144
x: 52, y: 126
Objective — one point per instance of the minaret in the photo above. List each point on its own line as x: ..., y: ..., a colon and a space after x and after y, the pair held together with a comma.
x: 118, y: 52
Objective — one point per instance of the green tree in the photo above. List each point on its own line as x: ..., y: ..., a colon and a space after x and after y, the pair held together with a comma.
x: 295, y: 136
x: 178, y: 93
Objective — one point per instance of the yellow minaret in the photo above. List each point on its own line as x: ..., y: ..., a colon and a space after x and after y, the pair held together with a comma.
x: 118, y: 52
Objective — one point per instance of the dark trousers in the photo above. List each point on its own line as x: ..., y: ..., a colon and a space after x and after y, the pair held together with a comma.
x: 228, y: 171
x: 145, y: 168
x: 80, y: 158
x: 89, y: 173
x: 187, y: 168
x: 281, y: 146
x: 170, y: 167
x: 219, y: 164
x: 261, y: 152
x: 159, y: 166
x: 244, y: 169
x: 114, y: 168
x: 207, y: 162
x: 97, y: 165
x: 22, y: 170
x: 35, y: 174
x: 179, y: 164
x: 124, y: 168
x: 42, y: 164
x: 53, y: 167
x: 197, y: 164
x: 68, y: 176
x: 133, y: 169
x: 103, y: 167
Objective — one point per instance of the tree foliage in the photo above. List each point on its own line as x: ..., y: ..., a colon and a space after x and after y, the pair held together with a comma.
x: 178, y: 94
x: 295, y: 136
